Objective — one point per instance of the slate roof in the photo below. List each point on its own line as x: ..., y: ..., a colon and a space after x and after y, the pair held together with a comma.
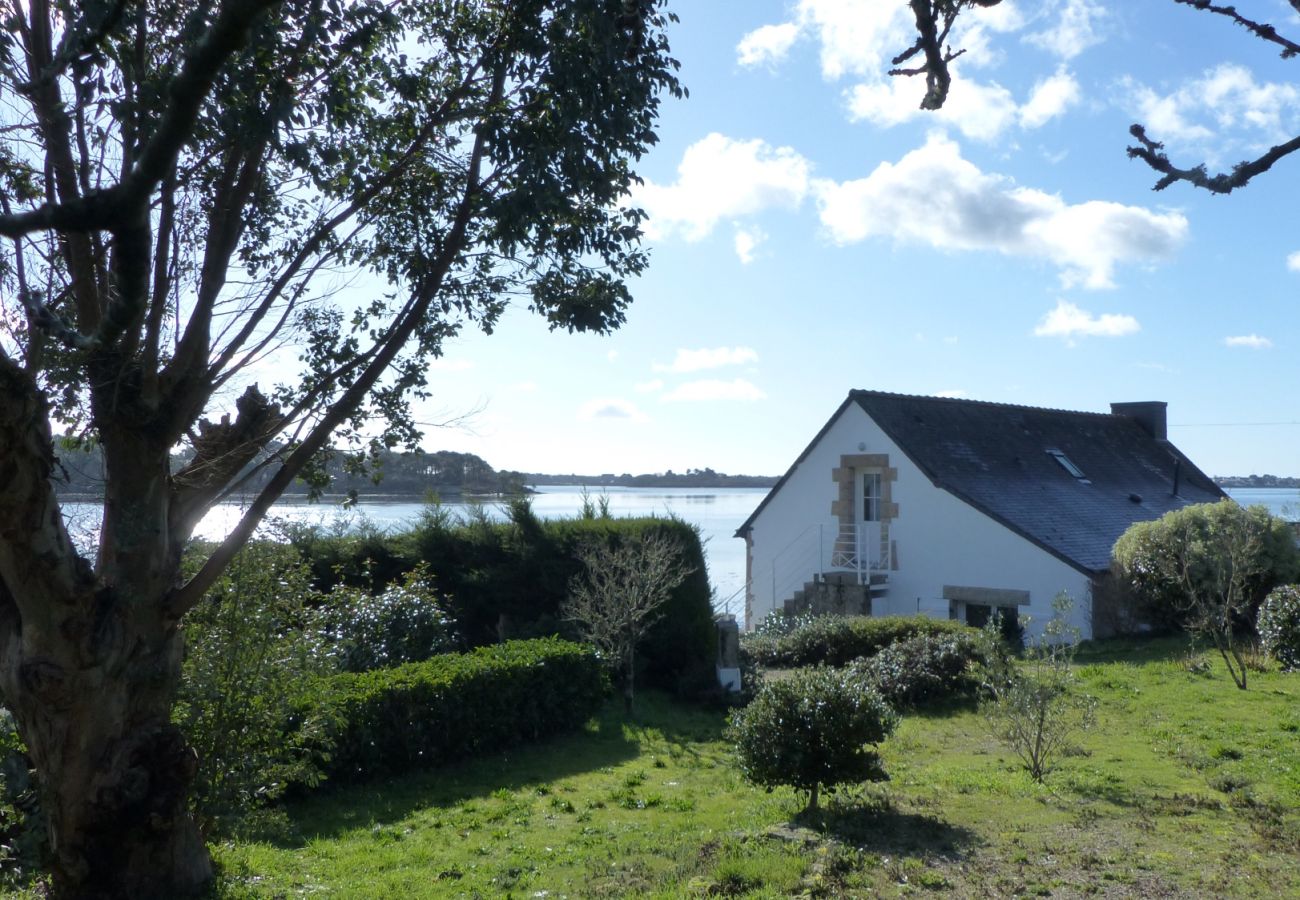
x: 994, y: 456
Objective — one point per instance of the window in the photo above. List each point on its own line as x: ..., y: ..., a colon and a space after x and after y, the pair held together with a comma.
x: 871, y: 497
x: 1066, y: 463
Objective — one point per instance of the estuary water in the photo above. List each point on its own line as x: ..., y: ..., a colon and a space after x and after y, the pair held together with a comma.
x: 717, y: 512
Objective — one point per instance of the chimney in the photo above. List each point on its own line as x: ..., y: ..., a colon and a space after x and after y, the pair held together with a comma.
x: 1150, y: 414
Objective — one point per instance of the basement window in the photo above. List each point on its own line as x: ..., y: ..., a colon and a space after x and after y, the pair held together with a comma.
x: 1067, y: 464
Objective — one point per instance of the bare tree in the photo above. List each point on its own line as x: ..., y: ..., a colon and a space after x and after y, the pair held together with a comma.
x: 621, y: 595
x: 183, y: 187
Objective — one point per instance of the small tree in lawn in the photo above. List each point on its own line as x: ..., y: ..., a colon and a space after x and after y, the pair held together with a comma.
x: 815, y: 730
x: 1034, y: 707
x: 621, y: 595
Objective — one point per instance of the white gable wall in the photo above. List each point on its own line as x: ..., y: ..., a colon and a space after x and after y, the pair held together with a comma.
x: 939, y: 540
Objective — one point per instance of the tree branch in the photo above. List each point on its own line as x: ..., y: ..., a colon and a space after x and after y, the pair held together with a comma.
x: 1152, y: 153
x: 1261, y: 30
x: 427, y: 287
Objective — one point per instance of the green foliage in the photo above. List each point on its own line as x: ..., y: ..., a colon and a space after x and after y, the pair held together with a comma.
x: 249, y: 663
x: 1207, y: 568
x: 455, y: 706
x: 506, y: 580
x: 1279, y: 625
x: 1033, y: 706
x: 24, y: 836
x: 925, y: 668
x: 779, y: 623
x: 815, y: 730
x: 403, y: 623
x: 1189, y: 549
x: 839, y: 640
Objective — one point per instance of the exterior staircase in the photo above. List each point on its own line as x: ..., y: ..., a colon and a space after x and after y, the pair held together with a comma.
x: 837, y: 593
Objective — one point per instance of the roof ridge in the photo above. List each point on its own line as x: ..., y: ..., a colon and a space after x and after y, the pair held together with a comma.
x: 863, y: 392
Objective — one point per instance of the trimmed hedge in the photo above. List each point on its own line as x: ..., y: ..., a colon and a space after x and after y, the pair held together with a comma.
x: 505, y: 580
x: 453, y: 706
x: 839, y: 640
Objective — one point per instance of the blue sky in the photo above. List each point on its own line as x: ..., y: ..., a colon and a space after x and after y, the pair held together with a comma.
x: 812, y: 231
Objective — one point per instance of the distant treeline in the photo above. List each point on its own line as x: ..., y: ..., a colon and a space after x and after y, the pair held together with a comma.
x: 392, y: 474
x: 414, y: 475
x: 702, y: 478
x: 1259, y: 481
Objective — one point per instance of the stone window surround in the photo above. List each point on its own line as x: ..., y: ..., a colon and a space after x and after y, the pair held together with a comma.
x: 844, y: 507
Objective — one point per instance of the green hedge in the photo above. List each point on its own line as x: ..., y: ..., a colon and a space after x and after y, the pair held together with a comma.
x: 839, y: 640
x: 457, y: 705
x: 508, y: 579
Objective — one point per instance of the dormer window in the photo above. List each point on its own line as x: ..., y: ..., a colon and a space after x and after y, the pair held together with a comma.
x: 1066, y: 463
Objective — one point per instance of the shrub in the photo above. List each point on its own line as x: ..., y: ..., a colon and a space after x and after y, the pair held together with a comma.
x: 839, y: 640
x: 248, y: 662
x: 24, y: 832
x: 815, y: 730
x: 1207, y: 567
x: 1279, y: 625
x: 779, y: 623
x: 924, y: 668
x: 405, y: 622
x: 456, y: 705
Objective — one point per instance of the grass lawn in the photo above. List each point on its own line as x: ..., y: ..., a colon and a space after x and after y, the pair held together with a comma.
x: 1187, y: 787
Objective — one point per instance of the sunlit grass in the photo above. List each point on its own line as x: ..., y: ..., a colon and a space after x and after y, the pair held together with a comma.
x: 1186, y: 787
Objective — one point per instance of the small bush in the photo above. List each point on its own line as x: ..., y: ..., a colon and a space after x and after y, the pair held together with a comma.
x: 24, y: 835
x: 814, y: 730
x: 456, y: 705
x: 924, y: 668
x: 779, y: 623
x: 406, y: 622
x: 839, y: 640
x: 1279, y: 626
x: 248, y: 662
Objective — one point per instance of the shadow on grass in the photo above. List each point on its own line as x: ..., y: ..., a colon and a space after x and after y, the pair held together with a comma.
x: 1136, y: 649
x: 878, y: 826
x: 609, y: 740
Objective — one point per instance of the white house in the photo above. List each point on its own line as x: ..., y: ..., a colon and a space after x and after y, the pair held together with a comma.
x: 955, y: 508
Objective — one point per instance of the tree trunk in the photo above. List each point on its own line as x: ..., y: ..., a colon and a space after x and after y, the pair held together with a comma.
x: 114, y: 773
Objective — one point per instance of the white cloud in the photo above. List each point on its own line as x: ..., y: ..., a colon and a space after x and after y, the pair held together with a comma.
x: 747, y: 241
x: 934, y: 196
x: 1224, y: 110
x: 649, y: 387
x: 1077, y: 29
x: 714, y: 389
x: 721, y: 178
x: 1068, y: 321
x: 611, y: 355
x: 1049, y: 98
x: 1252, y: 341
x: 610, y: 408
x: 766, y: 45
x: 708, y: 358
x: 525, y: 387
x: 1293, y: 261
x: 979, y: 111
x: 952, y: 395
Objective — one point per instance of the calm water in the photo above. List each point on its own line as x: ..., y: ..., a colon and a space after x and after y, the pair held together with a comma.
x: 1283, y: 502
x: 718, y: 512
